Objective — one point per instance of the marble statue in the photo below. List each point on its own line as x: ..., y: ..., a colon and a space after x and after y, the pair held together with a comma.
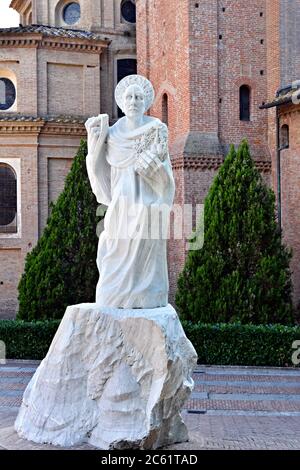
x: 129, y: 167
x: 119, y: 371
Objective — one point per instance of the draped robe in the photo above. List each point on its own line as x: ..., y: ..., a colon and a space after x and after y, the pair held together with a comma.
x: 133, y: 267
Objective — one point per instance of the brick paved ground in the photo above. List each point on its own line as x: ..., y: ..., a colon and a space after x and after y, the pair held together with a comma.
x: 230, y: 408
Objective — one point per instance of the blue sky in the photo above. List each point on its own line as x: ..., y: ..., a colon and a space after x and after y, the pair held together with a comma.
x: 8, y: 17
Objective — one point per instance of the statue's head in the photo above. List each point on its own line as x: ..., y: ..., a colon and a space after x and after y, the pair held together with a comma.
x: 134, y: 101
x: 134, y: 95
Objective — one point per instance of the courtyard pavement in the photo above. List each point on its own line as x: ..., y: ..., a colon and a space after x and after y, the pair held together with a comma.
x: 236, y: 408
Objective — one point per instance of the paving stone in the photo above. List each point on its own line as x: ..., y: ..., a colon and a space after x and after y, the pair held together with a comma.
x: 231, y: 387
x: 241, y: 408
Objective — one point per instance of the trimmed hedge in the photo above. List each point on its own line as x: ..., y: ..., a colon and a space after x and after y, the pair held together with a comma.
x: 224, y: 344
x: 244, y: 345
x: 27, y: 340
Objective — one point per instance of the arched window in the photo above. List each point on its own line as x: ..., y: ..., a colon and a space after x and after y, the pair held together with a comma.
x: 128, y: 11
x: 165, y: 109
x: 245, y: 103
x: 7, y: 93
x: 125, y: 67
x: 8, y: 199
x: 285, y: 137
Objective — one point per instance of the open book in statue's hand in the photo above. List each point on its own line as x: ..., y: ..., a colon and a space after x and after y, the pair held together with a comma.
x: 151, y: 151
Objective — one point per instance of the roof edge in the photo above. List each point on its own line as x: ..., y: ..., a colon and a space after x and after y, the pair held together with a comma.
x: 54, y: 31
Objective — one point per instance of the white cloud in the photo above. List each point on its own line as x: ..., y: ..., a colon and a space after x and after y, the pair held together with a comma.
x: 8, y: 16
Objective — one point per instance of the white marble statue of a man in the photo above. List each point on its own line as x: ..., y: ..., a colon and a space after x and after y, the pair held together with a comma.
x: 130, y: 171
x: 118, y: 371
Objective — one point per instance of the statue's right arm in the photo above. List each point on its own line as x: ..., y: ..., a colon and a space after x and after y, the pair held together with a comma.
x: 99, y: 171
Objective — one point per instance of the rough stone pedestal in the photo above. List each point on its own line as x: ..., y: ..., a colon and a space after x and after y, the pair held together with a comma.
x: 113, y: 378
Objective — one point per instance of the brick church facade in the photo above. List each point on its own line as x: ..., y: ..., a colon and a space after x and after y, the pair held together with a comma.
x: 216, y: 66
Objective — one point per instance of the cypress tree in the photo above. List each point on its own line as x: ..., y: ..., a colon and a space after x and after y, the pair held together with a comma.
x: 242, y: 272
x: 61, y: 270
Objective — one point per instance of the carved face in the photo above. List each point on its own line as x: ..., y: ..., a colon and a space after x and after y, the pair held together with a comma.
x: 134, y: 101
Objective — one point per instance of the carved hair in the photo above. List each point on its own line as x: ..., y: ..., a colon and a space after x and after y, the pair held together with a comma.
x: 139, y: 80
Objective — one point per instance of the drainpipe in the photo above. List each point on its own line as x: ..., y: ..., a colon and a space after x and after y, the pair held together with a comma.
x: 278, y: 157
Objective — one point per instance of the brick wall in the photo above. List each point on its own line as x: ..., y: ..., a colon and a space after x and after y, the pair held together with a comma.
x: 21, y: 145
x: 199, y: 54
x: 68, y: 83
x: 9, y: 278
x: 290, y: 40
x: 274, y: 76
x: 290, y: 184
x: 242, y: 58
x: 283, y: 66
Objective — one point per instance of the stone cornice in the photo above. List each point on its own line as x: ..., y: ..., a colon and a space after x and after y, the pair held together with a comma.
x: 263, y: 166
x: 42, y: 126
x: 195, y: 163
x: 211, y: 163
x: 73, y: 129
x: 19, y: 127
x: 71, y: 45
x: 53, y: 37
x: 38, y: 41
x: 289, y: 110
x: 17, y: 41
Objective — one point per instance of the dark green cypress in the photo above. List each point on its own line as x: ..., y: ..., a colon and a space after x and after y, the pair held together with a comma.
x: 61, y: 270
x: 242, y: 272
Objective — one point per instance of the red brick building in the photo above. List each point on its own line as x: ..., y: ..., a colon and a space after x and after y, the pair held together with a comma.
x: 213, y: 64
x: 285, y: 161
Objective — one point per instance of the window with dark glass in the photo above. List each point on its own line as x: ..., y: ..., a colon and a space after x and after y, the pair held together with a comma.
x: 128, y: 11
x: 165, y: 109
x: 125, y: 67
x: 8, y: 199
x: 7, y: 94
x: 245, y: 103
x: 285, y: 137
x: 71, y: 13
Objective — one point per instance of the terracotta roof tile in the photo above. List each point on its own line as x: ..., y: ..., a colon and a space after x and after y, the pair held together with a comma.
x: 53, y: 32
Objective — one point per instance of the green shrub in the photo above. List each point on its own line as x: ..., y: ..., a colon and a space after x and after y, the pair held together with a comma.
x: 244, y: 345
x: 232, y: 344
x: 242, y: 272
x: 61, y: 270
x: 26, y: 340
